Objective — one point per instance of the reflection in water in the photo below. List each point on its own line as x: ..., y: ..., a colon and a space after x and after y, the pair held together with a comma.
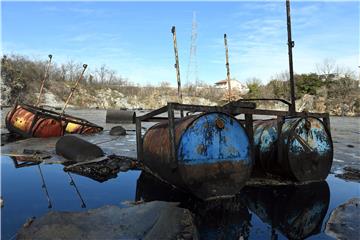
x: 21, y: 162
x: 296, y: 211
x: 216, y: 219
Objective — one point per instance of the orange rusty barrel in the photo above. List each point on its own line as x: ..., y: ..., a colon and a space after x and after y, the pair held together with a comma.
x: 31, y: 121
x: 212, y: 154
x: 26, y: 121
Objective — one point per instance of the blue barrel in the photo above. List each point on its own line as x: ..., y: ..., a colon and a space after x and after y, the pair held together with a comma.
x: 307, y: 149
x: 212, y: 154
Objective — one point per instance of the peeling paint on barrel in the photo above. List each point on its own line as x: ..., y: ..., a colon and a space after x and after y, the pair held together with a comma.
x: 307, y: 148
x: 212, y: 153
x: 217, y: 145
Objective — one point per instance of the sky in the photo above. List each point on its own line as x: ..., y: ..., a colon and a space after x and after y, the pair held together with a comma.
x: 135, y: 40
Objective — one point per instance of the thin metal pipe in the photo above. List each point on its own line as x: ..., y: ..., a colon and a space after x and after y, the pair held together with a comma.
x: 291, y: 44
x: 44, y: 79
x: 44, y: 187
x: 227, y: 66
x: 73, y: 89
x: 72, y: 183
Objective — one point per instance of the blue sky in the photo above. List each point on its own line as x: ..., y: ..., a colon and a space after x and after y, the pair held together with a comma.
x: 134, y: 38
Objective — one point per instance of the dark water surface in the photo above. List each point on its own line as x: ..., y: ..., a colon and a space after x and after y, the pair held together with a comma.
x: 258, y: 212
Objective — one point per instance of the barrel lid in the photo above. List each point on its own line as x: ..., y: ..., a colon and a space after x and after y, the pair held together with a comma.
x: 310, y: 150
x: 214, y: 137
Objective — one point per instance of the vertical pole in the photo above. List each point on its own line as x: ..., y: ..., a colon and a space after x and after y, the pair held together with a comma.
x: 44, y: 79
x: 250, y: 131
x: 227, y: 66
x: 177, y: 66
x: 291, y: 44
x: 171, y: 119
x: 139, y: 141
x: 73, y: 89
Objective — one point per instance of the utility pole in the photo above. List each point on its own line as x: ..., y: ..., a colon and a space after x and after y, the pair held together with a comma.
x: 192, y: 67
x: 291, y: 44
x: 177, y: 66
x: 227, y: 66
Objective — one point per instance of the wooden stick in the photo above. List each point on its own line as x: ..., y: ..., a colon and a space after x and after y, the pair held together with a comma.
x: 227, y: 66
x: 177, y: 66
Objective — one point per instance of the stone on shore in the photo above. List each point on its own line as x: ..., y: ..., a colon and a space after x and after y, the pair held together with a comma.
x: 344, y: 221
x: 153, y: 220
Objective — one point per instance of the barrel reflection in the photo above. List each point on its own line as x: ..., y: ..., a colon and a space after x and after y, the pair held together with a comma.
x: 225, y: 218
x: 296, y: 211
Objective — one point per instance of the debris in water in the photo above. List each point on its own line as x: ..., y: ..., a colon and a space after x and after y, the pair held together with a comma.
x: 350, y: 174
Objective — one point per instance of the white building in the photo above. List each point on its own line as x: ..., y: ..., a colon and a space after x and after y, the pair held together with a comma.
x: 234, y: 84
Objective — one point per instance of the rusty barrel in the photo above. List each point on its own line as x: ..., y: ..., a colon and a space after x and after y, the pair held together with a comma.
x: 212, y: 156
x: 31, y: 121
x: 307, y: 149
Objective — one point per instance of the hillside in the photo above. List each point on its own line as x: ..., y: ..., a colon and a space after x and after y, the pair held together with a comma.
x: 103, y: 88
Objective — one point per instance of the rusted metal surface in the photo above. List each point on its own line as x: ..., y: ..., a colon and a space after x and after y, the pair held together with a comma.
x: 296, y: 211
x: 31, y: 121
x: 177, y: 65
x: 210, y: 149
x: 73, y: 88
x: 46, y: 75
x: 302, y: 150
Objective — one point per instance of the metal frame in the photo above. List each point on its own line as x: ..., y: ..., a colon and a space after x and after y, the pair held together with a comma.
x: 233, y: 108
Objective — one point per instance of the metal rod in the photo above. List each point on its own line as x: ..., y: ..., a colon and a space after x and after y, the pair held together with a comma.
x: 139, y: 140
x: 72, y: 183
x: 177, y: 66
x: 227, y: 66
x: 291, y: 44
x: 73, y: 89
x: 44, y: 79
x: 44, y: 187
x: 172, y: 136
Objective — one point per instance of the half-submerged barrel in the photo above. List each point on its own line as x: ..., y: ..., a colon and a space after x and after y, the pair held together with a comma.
x: 212, y: 154
x: 307, y: 149
x: 31, y: 121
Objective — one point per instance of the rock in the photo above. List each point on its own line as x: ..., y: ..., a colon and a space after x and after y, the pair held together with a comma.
x: 153, y: 220
x: 350, y: 173
x: 344, y: 221
x: 117, y: 131
x: 77, y: 149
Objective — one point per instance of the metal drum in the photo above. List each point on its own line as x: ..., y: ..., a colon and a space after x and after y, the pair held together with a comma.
x: 307, y: 149
x: 31, y: 121
x: 212, y: 154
